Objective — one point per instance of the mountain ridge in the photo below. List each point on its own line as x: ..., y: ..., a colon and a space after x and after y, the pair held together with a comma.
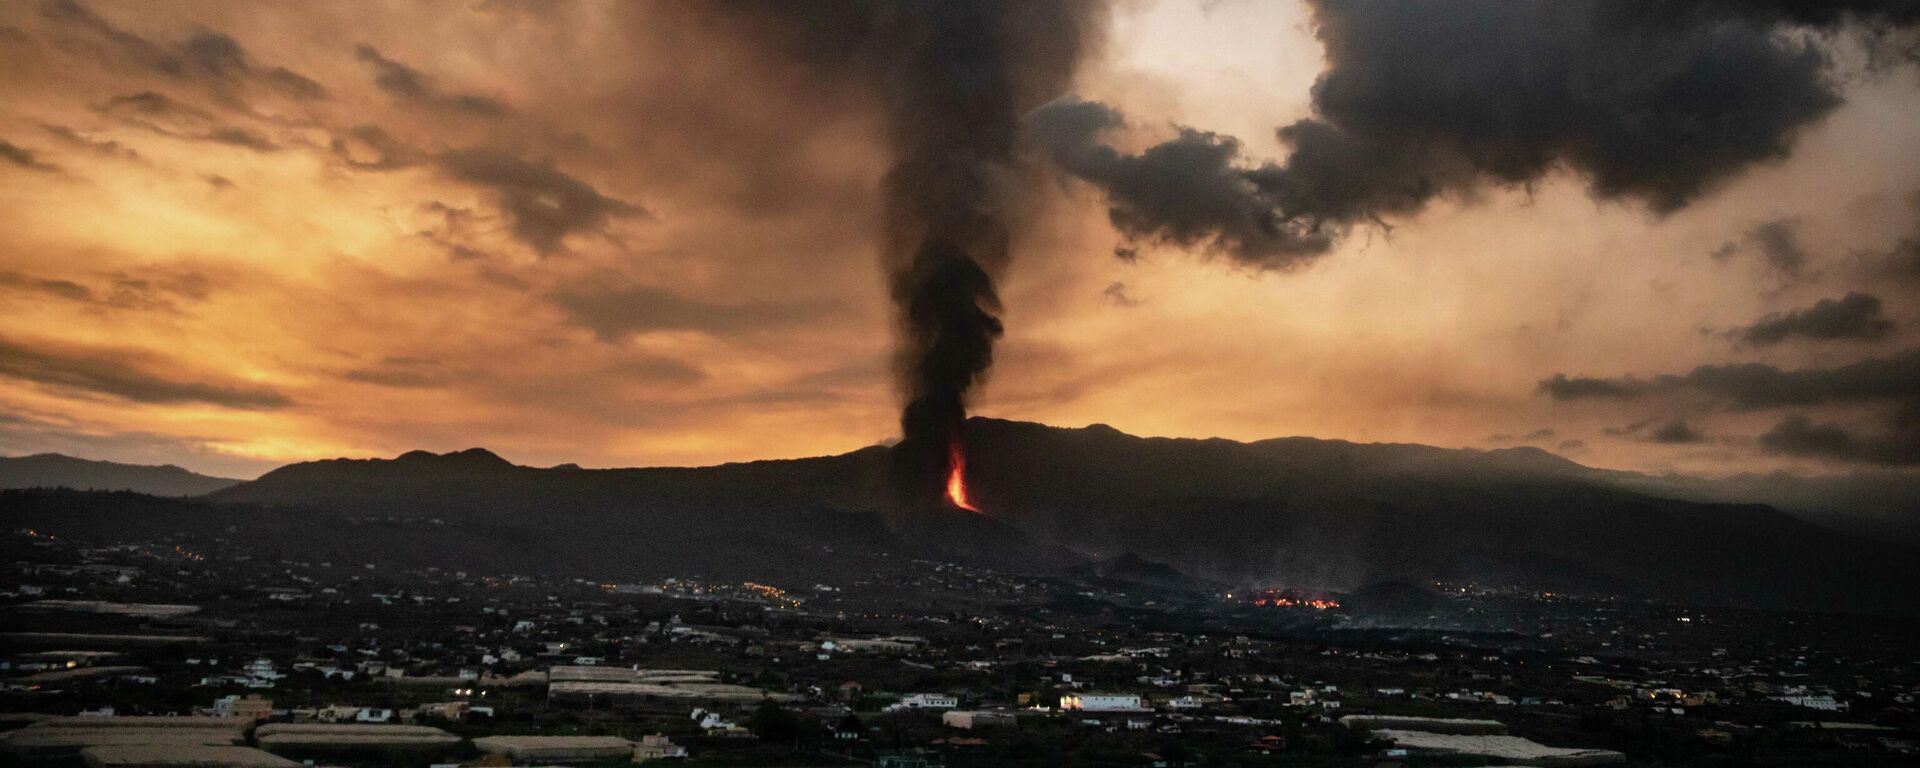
x: 1287, y: 511
x: 61, y: 470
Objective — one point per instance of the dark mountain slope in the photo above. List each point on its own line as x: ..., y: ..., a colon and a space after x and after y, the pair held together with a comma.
x: 1288, y: 512
x: 1336, y: 514
x: 53, y: 470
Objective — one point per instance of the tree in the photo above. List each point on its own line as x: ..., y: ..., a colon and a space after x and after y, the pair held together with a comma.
x: 772, y: 722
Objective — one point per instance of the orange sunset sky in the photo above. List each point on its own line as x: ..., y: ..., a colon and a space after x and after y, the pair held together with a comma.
x: 240, y: 235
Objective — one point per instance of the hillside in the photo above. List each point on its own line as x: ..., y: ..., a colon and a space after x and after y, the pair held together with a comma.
x: 53, y: 470
x: 1294, y: 511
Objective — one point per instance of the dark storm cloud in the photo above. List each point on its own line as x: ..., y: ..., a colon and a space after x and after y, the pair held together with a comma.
x: 613, y: 313
x: 414, y: 88
x: 111, y: 372
x: 1752, y: 386
x: 1856, y: 317
x: 1799, y: 435
x: 24, y: 158
x: 1884, y: 382
x: 207, y: 57
x: 544, y: 203
x: 1648, y: 101
x: 1189, y: 191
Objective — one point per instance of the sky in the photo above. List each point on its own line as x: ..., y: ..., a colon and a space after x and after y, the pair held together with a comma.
x: 239, y: 236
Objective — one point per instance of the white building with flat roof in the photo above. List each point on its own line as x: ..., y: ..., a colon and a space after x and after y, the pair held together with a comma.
x: 929, y: 701
x: 1102, y: 702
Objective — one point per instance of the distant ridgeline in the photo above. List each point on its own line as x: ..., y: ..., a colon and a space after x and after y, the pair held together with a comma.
x: 1294, y: 512
x: 52, y: 470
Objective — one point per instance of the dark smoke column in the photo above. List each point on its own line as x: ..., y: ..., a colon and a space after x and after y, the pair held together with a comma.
x: 959, y: 77
x: 953, y: 79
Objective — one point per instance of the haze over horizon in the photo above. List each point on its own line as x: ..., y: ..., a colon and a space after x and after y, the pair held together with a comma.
x: 634, y: 235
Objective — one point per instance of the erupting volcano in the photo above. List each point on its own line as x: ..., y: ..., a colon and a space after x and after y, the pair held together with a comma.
x: 957, y: 478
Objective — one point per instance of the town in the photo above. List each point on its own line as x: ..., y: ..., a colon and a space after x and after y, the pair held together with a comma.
x: 201, y: 653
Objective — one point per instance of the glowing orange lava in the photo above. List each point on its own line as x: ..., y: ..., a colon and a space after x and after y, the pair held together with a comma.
x: 957, y: 479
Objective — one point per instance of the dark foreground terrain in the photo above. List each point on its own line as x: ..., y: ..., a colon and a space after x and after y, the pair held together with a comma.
x: 822, y: 671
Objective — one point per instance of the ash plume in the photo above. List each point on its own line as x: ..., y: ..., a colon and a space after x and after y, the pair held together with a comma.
x: 1654, y: 102
x: 952, y: 80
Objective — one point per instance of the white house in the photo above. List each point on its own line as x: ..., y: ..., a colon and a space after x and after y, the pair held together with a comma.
x: 1102, y: 702
x: 928, y: 701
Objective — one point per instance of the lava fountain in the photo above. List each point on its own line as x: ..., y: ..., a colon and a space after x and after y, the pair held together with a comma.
x: 957, y: 478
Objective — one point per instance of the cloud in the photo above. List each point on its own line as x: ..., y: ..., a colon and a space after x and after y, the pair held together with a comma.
x: 1749, y: 386
x: 240, y: 137
x: 102, y: 147
x: 1779, y: 244
x: 295, y: 84
x: 210, y: 58
x: 113, y: 372
x: 24, y: 158
x: 1118, y: 293
x: 1798, y: 435
x: 402, y: 372
x: 371, y: 148
x: 1901, y: 261
x: 1530, y: 437
x: 1886, y: 382
x: 1676, y: 432
x: 1188, y: 192
x: 1855, y: 317
x: 23, y: 435
x: 117, y: 290
x: 545, y: 204
x: 412, y: 87
x: 1561, y: 387
x: 614, y: 313
x: 162, y: 114
x: 66, y: 289
x: 1649, y: 102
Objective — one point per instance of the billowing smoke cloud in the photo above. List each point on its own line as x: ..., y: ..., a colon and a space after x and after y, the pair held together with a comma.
x: 1647, y: 101
x: 1854, y: 317
x: 953, y: 80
